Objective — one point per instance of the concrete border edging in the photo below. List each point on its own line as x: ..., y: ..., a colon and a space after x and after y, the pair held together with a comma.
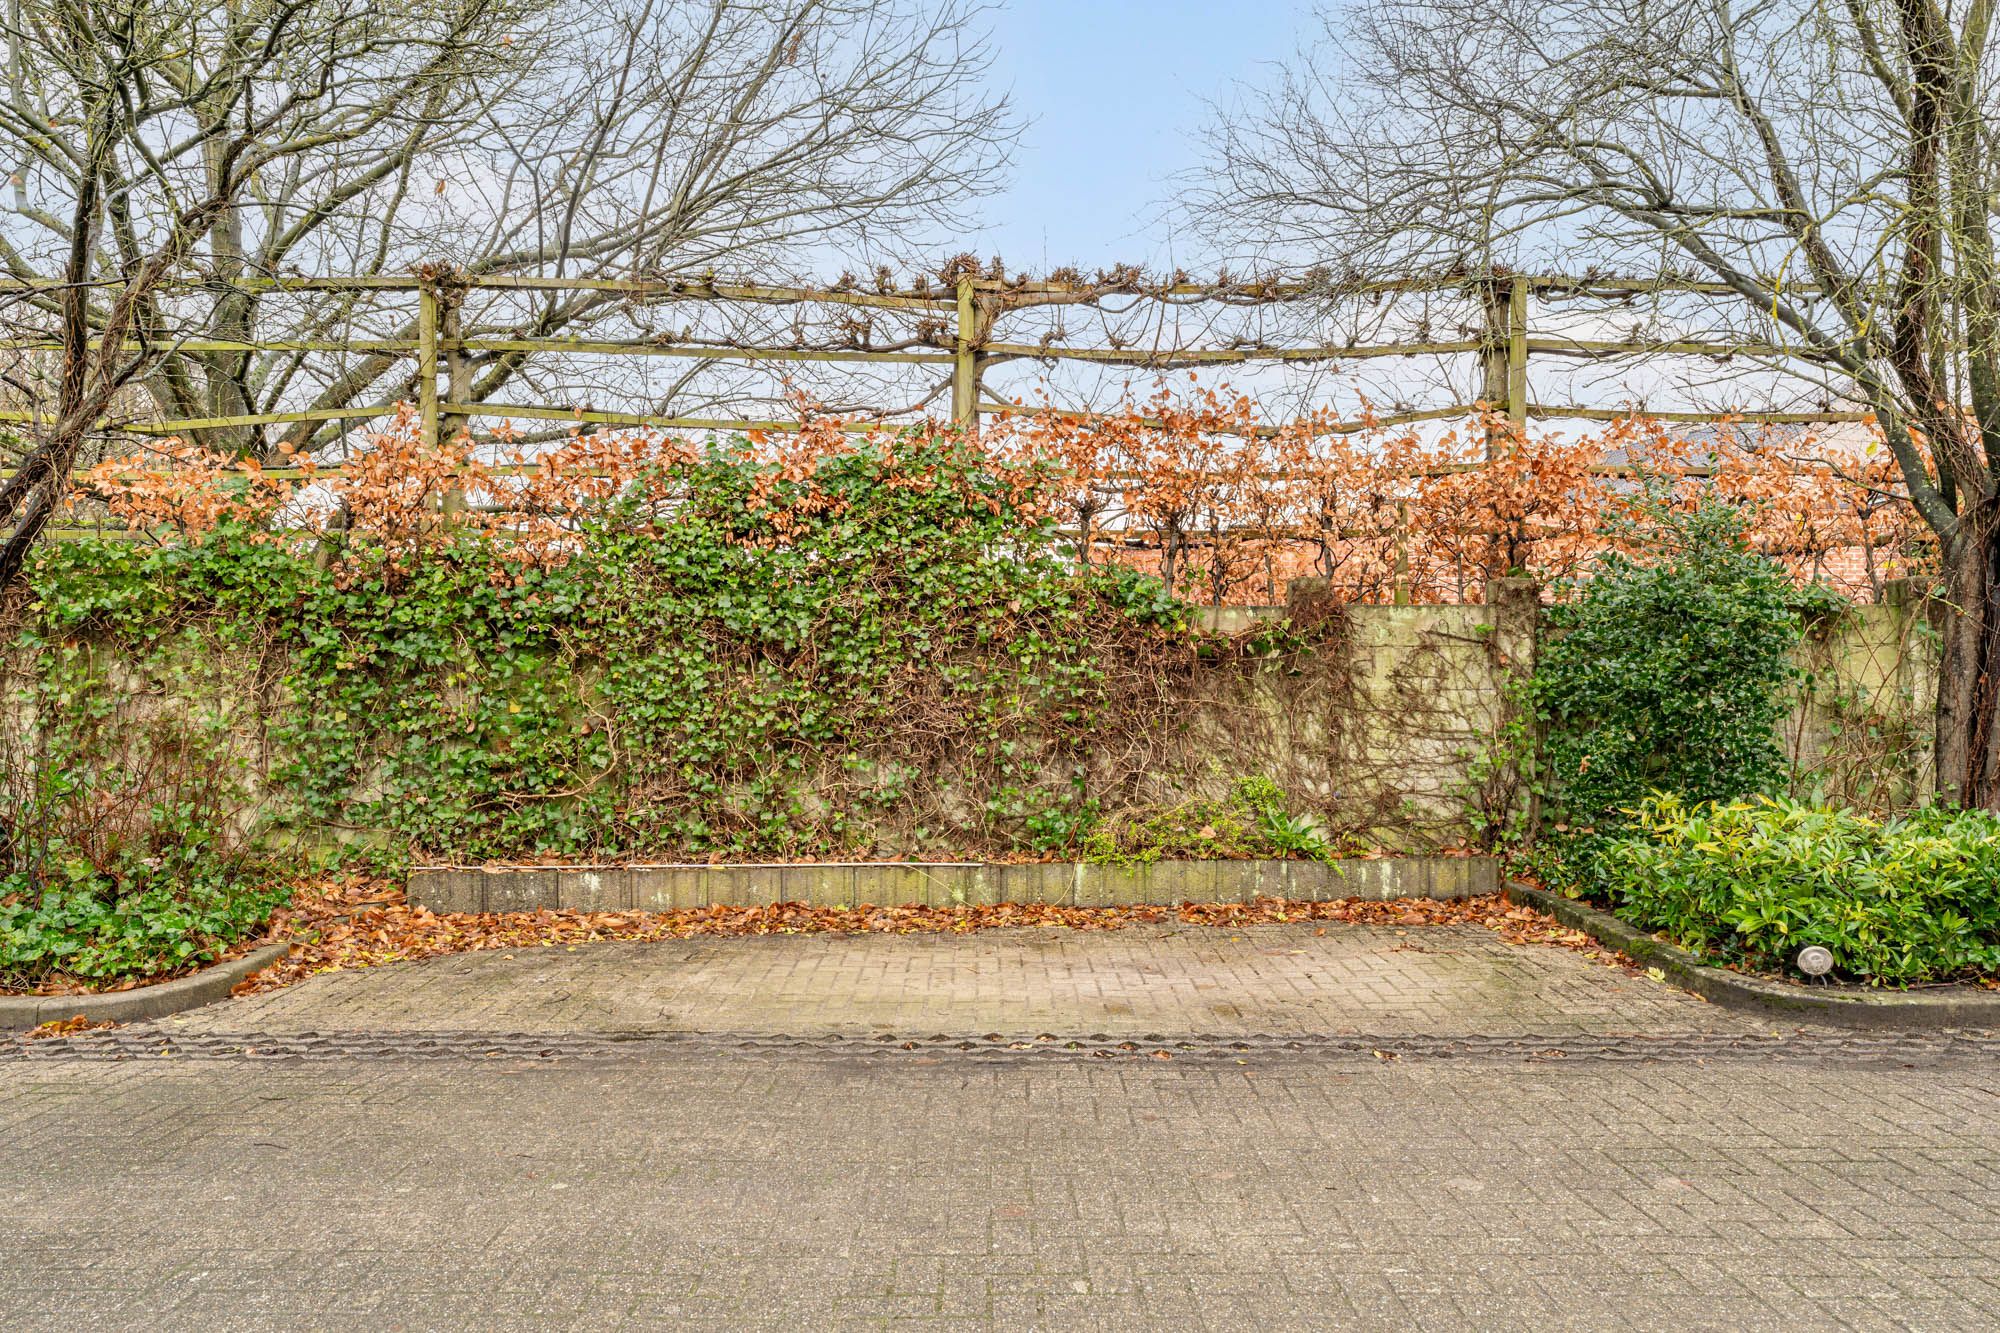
x: 659, y: 888
x: 1962, y: 1007
x: 22, y: 1012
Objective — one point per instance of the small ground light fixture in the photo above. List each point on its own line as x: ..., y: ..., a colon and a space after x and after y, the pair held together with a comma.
x: 1815, y: 960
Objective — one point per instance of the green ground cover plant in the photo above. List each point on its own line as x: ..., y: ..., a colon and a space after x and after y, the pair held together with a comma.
x: 1897, y: 901
x: 123, y: 847
x: 91, y: 928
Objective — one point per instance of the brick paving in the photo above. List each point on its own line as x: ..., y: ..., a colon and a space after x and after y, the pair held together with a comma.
x: 1144, y: 979
x: 600, y: 1139
x: 720, y: 1192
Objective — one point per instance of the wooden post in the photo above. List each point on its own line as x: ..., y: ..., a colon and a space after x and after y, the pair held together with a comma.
x: 1506, y: 361
x: 427, y: 364
x: 458, y: 387
x: 457, y: 366
x: 1517, y: 352
x: 1503, y: 358
x: 964, y: 370
x: 1402, y: 553
x: 1494, y: 346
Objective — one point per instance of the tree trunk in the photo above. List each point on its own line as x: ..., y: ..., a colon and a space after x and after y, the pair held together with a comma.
x: 1968, y: 739
x: 37, y: 487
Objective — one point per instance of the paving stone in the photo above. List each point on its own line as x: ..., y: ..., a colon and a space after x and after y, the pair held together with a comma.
x: 701, y: 1190
x: 598, y: 1138
x: 1140, y: 980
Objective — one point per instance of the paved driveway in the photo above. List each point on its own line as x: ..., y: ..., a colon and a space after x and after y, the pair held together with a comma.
x: 1143, y: 979
x: 539, y: 1142
x: 714, y: 1190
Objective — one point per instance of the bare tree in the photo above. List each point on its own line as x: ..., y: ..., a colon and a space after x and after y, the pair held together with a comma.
x: 163, y: 117
x: 1830, y: 163
x: 629, y: 138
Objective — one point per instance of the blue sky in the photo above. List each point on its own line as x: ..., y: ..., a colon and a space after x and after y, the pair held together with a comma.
x: 1116, y: 92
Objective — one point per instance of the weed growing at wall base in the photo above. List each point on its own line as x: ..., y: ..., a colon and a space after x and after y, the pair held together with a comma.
x: 1254, y: 820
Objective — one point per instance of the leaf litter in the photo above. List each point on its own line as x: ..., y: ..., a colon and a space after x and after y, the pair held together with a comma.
x: 357, y: 923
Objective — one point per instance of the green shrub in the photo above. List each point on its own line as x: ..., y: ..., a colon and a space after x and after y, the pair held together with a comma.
x: 1669, y: 675
x: 1897, y: 901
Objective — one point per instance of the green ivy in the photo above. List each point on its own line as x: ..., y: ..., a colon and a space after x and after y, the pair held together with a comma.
x: 121, y: 851
x: 891, y: 667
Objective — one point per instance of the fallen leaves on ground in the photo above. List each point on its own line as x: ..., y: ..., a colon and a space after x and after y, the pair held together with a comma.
x: 357, y: 924
x: 68, y: 1027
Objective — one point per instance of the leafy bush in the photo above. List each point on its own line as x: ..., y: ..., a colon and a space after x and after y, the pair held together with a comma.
x: 1897, y: 901
x: 1669, y: 675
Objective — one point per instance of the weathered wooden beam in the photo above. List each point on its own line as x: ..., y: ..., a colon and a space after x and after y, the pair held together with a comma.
x: 1517, y: 351
x: 1545, y: 410
x: 942, y: 299
x: 175, y: 427
x: 590, y: 416
x: 596, y: 348
x: 382, y: 345
x: 1216, y: 356
x: 965, y: 365
x: 1257, y: 432
x: 660, y: 290
x: 1592, y: 347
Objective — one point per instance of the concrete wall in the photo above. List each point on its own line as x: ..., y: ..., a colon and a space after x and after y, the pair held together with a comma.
x: 1400, y: 748
x: 940, y: 884
x: 1387, y: 732
x: 1863, y: 732
x: 1383, y: 738
x: 1428, y: 685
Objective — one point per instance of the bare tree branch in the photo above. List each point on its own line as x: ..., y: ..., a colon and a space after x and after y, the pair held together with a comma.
x: 1830, y: 163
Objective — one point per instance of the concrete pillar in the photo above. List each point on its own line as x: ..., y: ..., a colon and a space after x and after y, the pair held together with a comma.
x: 1514, y: 608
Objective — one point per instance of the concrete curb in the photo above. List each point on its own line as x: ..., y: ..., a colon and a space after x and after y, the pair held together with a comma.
x: 1958, y: 1007
x: 655, y: 888
x: 20, y: 1012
